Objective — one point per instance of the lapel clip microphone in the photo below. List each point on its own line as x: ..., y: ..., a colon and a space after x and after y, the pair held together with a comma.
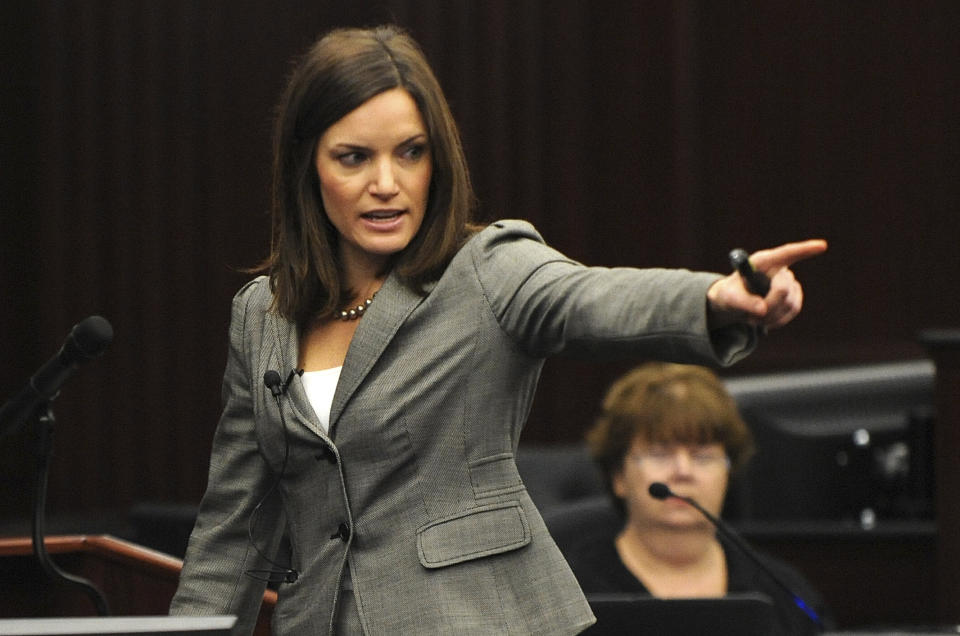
x: 277, y: 386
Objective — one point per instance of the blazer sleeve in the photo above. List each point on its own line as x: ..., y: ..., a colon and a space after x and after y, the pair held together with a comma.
x: 213, y: 579
x: 551, y: 304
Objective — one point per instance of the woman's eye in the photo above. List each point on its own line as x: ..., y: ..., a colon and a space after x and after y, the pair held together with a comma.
x: 708, y: 457
x: 351, y: 158
x: 415, y: 151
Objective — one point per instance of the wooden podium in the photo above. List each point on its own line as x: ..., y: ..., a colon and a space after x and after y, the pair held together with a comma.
x: 137, y: 581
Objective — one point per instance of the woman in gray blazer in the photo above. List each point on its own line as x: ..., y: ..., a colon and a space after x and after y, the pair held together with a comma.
x: 380, y: 372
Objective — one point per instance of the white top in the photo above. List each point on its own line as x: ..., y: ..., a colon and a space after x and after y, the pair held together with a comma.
x: 320, y: 387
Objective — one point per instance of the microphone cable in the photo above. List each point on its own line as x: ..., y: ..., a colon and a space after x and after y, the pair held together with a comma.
x: 283, y: 574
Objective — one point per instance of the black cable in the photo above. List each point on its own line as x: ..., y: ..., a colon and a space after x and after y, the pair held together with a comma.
x: 287, y: 574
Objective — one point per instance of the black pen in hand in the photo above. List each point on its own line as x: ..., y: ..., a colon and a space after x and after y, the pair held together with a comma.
x: 755, y: 282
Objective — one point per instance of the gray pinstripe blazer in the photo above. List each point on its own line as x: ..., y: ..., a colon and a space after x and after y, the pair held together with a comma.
x: 416, y: 485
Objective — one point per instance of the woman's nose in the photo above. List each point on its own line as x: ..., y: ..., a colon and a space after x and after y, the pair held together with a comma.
x: 682, y: 462
x: 384, y: 182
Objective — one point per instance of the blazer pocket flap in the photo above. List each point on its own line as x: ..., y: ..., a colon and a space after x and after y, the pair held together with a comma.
x: 472, y: 534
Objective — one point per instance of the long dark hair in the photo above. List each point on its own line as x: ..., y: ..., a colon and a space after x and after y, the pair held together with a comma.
x: 341, y: 71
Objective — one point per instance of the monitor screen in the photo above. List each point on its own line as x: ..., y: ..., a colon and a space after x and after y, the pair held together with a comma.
x: 746, y: 614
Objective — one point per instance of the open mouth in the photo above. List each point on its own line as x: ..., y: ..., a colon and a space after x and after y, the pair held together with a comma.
x: 382, y: 215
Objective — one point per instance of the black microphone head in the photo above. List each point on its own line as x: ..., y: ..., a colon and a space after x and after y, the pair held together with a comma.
x: 659, y: 490
x: 90, y: 337
x: 272, y: 379
x: 274, y: 382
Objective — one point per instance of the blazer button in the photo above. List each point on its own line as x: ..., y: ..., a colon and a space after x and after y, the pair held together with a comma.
x: 327, y: 454
x: 342, y: 533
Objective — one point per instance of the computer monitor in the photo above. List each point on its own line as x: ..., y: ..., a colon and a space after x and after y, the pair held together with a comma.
x: 745, y: 614
x: 835, y: 444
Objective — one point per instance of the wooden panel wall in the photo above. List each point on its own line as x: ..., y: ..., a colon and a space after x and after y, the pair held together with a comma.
x: 135, y: 154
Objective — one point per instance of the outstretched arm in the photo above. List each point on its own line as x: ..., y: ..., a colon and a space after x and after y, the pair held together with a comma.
x: 730, y: 302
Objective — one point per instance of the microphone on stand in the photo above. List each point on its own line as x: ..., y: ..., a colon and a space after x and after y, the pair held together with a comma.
x: 659, y: 490
x: 86, y: 341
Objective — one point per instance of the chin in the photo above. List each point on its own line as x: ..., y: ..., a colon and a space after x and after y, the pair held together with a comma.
x: 384, y: 242
x: 386, y: 250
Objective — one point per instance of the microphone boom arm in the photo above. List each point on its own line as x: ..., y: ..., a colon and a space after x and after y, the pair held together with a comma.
x: 662, y: 491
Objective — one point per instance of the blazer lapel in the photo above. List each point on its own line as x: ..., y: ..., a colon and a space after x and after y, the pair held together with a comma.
x: 284, y: 359
x: 379, y: 324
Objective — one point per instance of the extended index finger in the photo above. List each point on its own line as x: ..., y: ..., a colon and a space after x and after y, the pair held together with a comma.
x: 786, y: 255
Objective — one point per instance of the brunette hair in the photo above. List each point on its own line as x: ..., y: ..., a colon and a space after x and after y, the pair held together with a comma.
x: 669, y: 404
x: 341, y: 71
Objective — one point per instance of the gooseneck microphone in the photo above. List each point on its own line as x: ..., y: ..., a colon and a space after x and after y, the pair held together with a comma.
x: 659, y: 490
x: 86, y: 341
x: 272, y: 380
